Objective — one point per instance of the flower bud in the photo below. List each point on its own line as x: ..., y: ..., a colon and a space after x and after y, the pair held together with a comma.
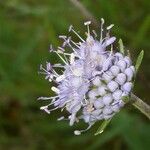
x: 96, y: 112
x: 127, y: 60
x: 122, y: 65
x: 107, y: 77
x: 112, y: 86
x: 129, y: 74
x: 98, y: 103
x: 133, y: 68
x: 117, y: 94
x: 102, y: 90
x: 97, y: 81
x: 115, y: 108
x: 119, y: 55
x: 92, y: 94
x: 107, y: 99
x: 107, y: 110
x: 115, y: 70
x: 121, y: 78
x: 127, y: 87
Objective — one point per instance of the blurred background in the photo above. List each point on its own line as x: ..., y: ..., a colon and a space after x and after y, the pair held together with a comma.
x: 27, y: 28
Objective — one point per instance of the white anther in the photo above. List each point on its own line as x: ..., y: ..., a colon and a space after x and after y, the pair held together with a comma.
x: 72, y: 58
x: 54, y: 89
x: 60, y: 78
x: 77, y: 132
x: 109, y: 27
x: 87, y: 23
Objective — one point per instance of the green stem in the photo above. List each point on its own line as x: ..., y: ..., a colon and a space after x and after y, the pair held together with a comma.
x: 140, y: 105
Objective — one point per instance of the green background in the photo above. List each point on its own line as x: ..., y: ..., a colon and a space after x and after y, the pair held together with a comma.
x: 27, y: 27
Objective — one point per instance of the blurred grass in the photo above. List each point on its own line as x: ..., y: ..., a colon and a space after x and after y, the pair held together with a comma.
x: 27, y: 27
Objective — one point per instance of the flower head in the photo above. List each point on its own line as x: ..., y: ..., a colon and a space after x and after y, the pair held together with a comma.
x: 94, y: 79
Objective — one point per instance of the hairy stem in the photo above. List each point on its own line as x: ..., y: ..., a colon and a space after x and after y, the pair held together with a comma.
x: 140, y: 105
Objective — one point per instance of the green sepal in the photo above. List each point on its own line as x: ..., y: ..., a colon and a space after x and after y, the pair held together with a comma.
x: 103, y: 126
x: 121, y: 47
x: 125, y: 99
x: 139, y: 61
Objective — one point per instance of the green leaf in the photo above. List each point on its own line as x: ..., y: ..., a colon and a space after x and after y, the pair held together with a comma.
x: 139, y: 60
x: 103, y: 126
x: 121, y: 47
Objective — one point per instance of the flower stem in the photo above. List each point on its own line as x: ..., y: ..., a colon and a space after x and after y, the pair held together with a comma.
x: 140, y: 105
x: 85, y: 12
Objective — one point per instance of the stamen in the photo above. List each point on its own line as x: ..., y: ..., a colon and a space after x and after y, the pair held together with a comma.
x: 49, y: 74
x: 74, y: 49
x: 109, y: 41
x: 87, y: 23
x: 51, y: 48
x: 71, y: 29
x: 88, y: 28
x: 111, y: 49
x: 54, y: 89
x: 61, y: 49
x: 72, y: 58
x: 47, y: 98
x: 61, y: 118
x: 75, y: 44
x: 61, y: 58
x: 48, y: 66
x: 78, y: 132
x: 58, y: 66
x: 45, y: 108
x: 55, y: 73
x: 67, y: 101
x: 60, y: 78
x: 39, y: 72
x: 110, y: 26
x: 62, y: 37
x: 94, y: 32
x: 53, y: 109
x: 67, y: 54
x: 66, y: 41
x: 66, y: 58
x: 101, y: 32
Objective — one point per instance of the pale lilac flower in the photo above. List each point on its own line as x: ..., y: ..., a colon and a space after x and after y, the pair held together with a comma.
x: 92, y: 81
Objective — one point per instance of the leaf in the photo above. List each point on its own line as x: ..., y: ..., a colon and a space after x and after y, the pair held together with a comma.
x: 103, y: 126
x: 139, y: 60
x: 121, y: 47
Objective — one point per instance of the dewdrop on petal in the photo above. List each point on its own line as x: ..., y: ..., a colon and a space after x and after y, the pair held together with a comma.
x: 91, y: 80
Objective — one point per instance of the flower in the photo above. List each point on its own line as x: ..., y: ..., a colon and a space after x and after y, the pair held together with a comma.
x: 94, y: 79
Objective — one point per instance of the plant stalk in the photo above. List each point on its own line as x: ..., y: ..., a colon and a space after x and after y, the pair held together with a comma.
x: 85, y: 12
x: 140, y: 105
